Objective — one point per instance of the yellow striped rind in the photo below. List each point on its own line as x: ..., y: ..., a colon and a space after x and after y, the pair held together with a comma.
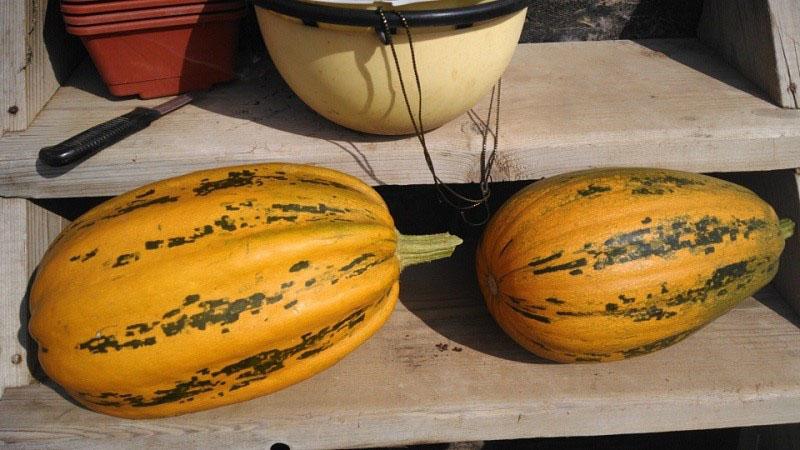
x: 213, y: 288
x: 601, y: 265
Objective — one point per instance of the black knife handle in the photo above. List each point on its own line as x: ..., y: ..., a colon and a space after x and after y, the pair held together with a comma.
x: 97, y: 138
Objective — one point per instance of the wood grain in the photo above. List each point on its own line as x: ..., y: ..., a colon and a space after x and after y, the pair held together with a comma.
x: 761, y: 39
x: 566, y: 106
x: 441, y: 370
x: 14, y: 276
x: 786, y: 16
x: 43, y: 226
x: 36, y: 56
x: 26, y: 231
x: 12, y: 69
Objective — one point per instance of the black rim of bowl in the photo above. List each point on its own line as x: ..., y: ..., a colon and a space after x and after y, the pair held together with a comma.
x: 311, y: 14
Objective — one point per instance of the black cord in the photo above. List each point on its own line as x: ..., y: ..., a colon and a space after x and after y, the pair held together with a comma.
x: 447, y: 193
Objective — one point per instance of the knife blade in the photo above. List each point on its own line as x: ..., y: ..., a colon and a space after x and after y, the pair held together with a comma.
x: 91, y: 141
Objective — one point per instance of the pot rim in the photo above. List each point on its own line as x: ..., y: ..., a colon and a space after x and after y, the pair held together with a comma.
x: 151, y: 13
x: 311, y: 14
x: 113, y: 6
x: 147, y: 25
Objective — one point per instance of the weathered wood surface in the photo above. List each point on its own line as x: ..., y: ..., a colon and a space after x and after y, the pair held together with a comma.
x: 12, y: 66
x: 566, y: 106
x: 441, y: 370
x: 37, y: 55
x: 25, y: 232
x: 14, y: 276
x: 786, y: 17
x: 761, y: 39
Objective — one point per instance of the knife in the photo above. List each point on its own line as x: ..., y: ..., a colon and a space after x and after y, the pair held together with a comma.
x: 91, y: 141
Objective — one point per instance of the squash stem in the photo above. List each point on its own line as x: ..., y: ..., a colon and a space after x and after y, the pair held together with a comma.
x: 786, y: 227
x: 425, y: 248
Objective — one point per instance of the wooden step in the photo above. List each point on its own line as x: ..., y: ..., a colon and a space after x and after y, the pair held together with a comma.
x: 565, y: 106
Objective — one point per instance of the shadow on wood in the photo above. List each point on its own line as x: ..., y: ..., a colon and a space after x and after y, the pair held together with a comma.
x: 418, y: 210
x: 421, y: 294
x: 700, y: 59
x: 64, y: 51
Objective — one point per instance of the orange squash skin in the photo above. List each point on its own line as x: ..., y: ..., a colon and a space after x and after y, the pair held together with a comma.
x: 606, y: 264
x: 213, y: 288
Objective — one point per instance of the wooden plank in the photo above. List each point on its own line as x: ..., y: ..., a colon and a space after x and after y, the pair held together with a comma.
x: 14, y: 276
x: 37, y: 55
x: 566, y: 106
x: 786, y: 17
x: 26, y: 231
x: 760, y: 38
x: 12, y: 70
x: 440, y: 371
x: 782, y: 191
x: 43, y: 227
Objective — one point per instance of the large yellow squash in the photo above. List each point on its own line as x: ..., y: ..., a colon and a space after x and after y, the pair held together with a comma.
x: 217, y: 287
x: 607, y: 264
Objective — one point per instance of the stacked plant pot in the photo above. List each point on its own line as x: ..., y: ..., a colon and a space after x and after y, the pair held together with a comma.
x: 155, y: 48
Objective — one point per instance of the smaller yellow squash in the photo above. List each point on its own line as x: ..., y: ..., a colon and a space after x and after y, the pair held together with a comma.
x: 606, y: 264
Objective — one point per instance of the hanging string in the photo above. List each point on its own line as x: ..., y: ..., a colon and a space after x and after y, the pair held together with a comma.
x: 455, y: 200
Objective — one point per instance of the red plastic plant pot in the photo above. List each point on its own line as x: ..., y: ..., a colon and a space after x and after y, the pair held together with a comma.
x: 152, y: 13
x: 149, y: 13
x: 83, y: 7
x: 166, y: 56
